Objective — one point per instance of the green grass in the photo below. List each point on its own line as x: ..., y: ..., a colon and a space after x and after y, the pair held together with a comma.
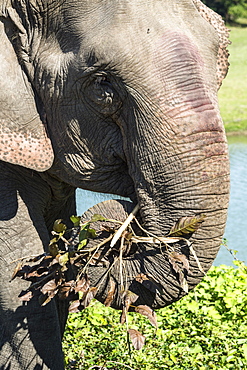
x: 233, y: 93
x: 205, y: 330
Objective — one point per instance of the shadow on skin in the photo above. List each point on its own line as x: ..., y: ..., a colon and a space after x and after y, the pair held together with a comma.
x: 24, y: 319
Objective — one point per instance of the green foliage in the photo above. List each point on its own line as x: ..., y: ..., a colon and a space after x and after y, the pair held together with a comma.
x: 207, y: 329
x: 233, y: 93
x: 230, y: 10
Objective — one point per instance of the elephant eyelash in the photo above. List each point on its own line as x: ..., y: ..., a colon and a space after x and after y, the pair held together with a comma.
x: 100, y: 79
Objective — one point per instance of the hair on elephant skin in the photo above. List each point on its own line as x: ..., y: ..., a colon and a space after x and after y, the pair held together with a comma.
x: 109, y: 96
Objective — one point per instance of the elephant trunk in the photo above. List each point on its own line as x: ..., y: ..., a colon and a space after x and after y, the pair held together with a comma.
x: 178, y: 157
x: 184, y: 175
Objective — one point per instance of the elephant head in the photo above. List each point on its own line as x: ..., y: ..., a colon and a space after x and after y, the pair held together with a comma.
x: 121, y: 97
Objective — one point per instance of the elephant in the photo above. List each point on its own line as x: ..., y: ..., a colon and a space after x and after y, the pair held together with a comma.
x: 114, y: 97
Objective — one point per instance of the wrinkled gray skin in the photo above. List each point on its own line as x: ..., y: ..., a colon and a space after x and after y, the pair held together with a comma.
x: 126, y: 91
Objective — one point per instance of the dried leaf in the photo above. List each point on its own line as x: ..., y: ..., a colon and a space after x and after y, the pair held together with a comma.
x: 25, y: 296
x: 173, y: 259
x: 82, y: 285
x: 110, y: 294
x: 149, y: 313
x: 66, y: 288
x: 123, y: 316
x: 141, y: 277
x: 35, y: 273
x: 137, y: 338
x: 37, y: 258
x: 186, y: 225
x: 49, y: 287
x: 174, y: 264
x: 75, y: 306
x: 177, y: 257
x: 44, y: 299
x: 88, y: 296
x: 16, y: 270
x: 128, y: 298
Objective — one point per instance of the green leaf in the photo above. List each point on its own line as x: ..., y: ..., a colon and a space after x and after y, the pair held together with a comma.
x: 92, y: 233
x: 84, y: 232
x: 82, y: 244
x: 59, y: 227
x: 97, y: 217
x: 186, y: 225
x: 76, y: 220
x: 53, y: 249
x: 245, y: 350
x: 173, y: 358
x: 63, y: 259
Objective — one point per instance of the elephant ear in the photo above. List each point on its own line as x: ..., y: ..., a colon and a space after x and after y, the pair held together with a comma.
x: 217, y: 22
x: 23, y: 137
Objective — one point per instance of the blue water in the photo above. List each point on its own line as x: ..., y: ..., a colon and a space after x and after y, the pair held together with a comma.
x: 236, y: 228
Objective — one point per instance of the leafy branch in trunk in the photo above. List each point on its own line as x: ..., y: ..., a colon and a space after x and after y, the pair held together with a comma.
x: 104, y: 242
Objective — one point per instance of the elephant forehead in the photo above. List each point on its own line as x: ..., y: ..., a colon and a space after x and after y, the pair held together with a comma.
x: 129, y: 24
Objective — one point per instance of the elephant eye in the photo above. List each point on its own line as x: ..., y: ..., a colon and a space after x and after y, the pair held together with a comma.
x: 104, y: 91
x: 103, y: 95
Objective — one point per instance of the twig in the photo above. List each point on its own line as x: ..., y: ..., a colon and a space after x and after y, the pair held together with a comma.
x: 154, y: 240
x: 96, y: 248
x: 107, y: 272
x: 148, y: 233
x: 124, y: 226
x: 197, y: 260
x: 30, y: 257
x: 121, y: 263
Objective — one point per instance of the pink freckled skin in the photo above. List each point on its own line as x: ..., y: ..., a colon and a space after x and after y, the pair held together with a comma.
x: 36, y: 154
x: 190, y: 106
x: 180, y: 69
